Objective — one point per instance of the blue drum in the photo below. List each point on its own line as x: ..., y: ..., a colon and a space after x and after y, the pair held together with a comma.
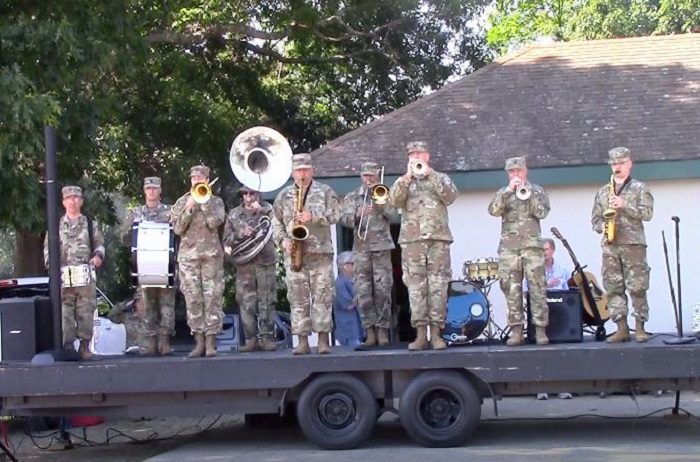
x: 467, y: 312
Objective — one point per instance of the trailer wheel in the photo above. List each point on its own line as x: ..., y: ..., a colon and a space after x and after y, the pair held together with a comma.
x: 440, y: 409
x: 337, y: 411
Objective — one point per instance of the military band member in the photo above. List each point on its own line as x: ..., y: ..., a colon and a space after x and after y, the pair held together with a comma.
x: 423, y: 195
x: 310, y: 290
x: 158, y: 303
x: 521, y: 205
x: 256, y: 279
x: 81, y: 256
x: 625, y: 258
x: 201, y: 263
x: 372, y: 243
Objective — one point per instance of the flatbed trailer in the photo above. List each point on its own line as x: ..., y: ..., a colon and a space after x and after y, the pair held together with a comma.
x: 337, y: 398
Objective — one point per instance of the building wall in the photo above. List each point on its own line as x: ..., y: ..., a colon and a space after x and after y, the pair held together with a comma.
x: 477, y: 234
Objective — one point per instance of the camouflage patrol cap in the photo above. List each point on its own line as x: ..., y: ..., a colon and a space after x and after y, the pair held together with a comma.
x: 202, y: 170
x: 68, y: 191
x: 369, y: 168
x: 515, y: 162
x: 301, y: 161
x: 417, y: 146
x: 618, y: 155
x: 151, y: 182
x: 244, y: 189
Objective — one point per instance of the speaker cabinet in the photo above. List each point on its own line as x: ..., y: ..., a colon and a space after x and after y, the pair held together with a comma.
x: 565, y: 317
x: 25, y: 327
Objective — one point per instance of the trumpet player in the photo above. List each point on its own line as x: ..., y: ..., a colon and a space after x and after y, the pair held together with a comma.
x: 423, y: 195
x: 370, y: 215
x: 521, y: 205
x: 201, y: 261
x: 256, y: 278
x: 624, y: 265
x: 313, y: 207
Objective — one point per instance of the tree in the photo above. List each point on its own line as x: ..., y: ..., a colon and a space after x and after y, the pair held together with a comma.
x: 514, y: 23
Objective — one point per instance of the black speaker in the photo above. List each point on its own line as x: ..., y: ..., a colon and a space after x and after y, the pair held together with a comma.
x: 565, y: 317
x: 25, y: 327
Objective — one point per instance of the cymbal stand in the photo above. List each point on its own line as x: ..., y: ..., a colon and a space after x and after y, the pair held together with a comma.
x: 493, y: 330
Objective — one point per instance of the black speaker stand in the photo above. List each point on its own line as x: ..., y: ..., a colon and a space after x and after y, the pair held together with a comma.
x: 5, y: 450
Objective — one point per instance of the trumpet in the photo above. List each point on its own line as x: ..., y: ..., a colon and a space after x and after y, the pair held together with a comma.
x: 418, y: 168
x: 523, y: 192
x: 609, y: 214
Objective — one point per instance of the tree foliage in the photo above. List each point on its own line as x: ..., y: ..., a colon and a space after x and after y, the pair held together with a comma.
x: 514, y: 23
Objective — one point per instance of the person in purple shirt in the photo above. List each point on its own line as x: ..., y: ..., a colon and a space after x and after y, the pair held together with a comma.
x: 348, y: 326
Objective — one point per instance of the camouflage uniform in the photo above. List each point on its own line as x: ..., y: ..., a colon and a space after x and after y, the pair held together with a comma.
x: 201, y: 262
x: 520, y: 250
x: 625, y: 260
x: 373, y: 274
x: 312, y: 289
x: 78, y: 303
x: 425, y: 240
x: 158, y: 302
x: 123, y: 313
x: 256, y: 280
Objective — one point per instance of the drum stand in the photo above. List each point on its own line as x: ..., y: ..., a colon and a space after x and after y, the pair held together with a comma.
x: 493, y: 331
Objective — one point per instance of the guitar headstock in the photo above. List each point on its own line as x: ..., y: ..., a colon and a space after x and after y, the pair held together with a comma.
x: 556, y: 233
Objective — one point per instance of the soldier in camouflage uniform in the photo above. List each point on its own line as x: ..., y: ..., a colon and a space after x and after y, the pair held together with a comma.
x: 201, y: 263
x: 130, y: 314
x: 625, y: 259
x: 521, y: 251
x: 78, y: 303
x: 256, y: 279
x: 158, y: 302
x: 425, y: 240
x: 373, y: 274
x: 310, y: 290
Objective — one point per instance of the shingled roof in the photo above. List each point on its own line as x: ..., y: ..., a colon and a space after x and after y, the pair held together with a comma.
x: 561, y: 104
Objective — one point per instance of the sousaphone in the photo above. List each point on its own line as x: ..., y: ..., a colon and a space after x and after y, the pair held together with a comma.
x: 261, y: 159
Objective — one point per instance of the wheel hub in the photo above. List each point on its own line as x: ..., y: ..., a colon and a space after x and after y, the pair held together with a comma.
x: 440, y: 408
x: 336, y: 410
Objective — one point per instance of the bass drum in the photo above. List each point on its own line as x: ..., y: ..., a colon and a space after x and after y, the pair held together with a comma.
x: 152, y: 254
x: 467, y: 312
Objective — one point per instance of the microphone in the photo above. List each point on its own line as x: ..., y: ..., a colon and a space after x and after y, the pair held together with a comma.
x: 676, y: 219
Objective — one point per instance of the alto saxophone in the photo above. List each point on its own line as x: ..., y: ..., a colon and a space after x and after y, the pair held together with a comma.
x: 609, y: 214
x: 299, y: 233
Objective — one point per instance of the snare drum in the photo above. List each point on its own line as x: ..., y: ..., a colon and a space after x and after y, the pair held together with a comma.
x: 467, y: 312
x: 152, y: 254
x: 481, y: 270
x: 77, y: 275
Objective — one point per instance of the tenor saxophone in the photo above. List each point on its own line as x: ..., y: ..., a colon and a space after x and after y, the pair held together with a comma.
x: 609, y: 214
x: 299, y: 233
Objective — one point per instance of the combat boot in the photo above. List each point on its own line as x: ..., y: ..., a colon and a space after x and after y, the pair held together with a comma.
x: 371, y: 339
x: 199, y: 346
x: 421, y: 341
x: 149, y: 346
x: 84, y: 349
x: 516, y: 335
x: 251, y: 344
x: 382, y: 336
x: 622, y: 334
x: 164, y: 345
x: 210, y: 346
x: 268, y: 343
x: 303, y: 347
x: 324, y: 347
x: 640, y: 335
x: 541, y: 335
x: 436, y: 341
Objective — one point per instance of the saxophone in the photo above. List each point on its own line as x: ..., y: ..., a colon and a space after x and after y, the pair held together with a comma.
x: 609, y: 214
x: 299, y: 233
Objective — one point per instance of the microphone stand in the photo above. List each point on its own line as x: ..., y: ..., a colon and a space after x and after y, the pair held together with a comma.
x: 678, y: 307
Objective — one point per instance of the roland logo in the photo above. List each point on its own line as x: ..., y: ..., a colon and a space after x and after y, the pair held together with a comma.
x: 555, y: 299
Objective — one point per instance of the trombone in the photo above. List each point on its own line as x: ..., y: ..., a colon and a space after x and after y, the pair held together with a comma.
x: 380, y: 196
x: 201, y: 192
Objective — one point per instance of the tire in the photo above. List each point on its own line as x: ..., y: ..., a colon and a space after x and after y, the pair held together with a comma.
x: 440, y: 409
x: 337, y: 411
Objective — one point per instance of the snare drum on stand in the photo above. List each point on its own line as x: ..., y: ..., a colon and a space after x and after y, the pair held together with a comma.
x: 152, y: 254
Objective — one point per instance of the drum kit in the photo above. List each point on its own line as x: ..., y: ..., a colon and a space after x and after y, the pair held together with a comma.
x: 468, y: 308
